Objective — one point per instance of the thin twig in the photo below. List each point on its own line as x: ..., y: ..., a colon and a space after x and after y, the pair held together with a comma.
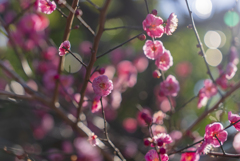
x: 16, y: 96
x: 94, y: 71
x: 190, y: 100
x: 146, y: 3
x: 75, y: 57
x: 93, y: 4
x: 107, y: 137
x: 99, y: 56
x: 201, y: 46
x: 220, y: 144
x: 62, y: 13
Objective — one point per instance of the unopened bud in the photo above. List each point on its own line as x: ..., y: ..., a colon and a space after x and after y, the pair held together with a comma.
x: 162, y: 150
x: 189, y: 26
x: 154, y: 12
x: 142, y: 37
x: 200, y: 53
x: 156, y: 74
x: 78, y: 12
x: 101, y: 71
x: 147, y: 141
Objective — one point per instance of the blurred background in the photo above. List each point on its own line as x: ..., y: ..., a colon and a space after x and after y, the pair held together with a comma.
x: 30, y: 127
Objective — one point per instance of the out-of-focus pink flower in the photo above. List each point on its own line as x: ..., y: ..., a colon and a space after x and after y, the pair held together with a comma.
x: 30, y: 23
x: 77, y: 98
x: 230, y: 71
x: 44, y: 22
x: 152, y: 155
x: 96, y: 105
x: 222, y: 81
x: 93, y: 139
x: 153, y: 49
x: 141, y: 64
x: 212, y: 130
x: 164, y: 61
x: 84, y: 47
x: 176, y: 135
x: 67, y: 147
x: 102, y: 86
x: 153, y: 26
x: 209, y: 88
x: 156, y: 74
x: 172, y: 23
x: 50, y: 53
x: 116, y: 99
x: 46, y: 6
x: 158, y: 129
x: 62, y: 51
x: 158, y: 117
x: 183, y: 69
x: 234, y: 55
x: 236, y: 142
x: 202, y: 100
x: 190, y: 156
x: 54, y: 155
x: 47, y: 122
x: 130, y: 149
x: 130, y: 125
x: 169, y: 87
x: 234, y: 118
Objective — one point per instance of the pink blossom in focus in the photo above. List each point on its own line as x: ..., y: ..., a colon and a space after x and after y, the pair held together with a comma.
x: 165, y: 138
x: 234, y: 118
x: 46, y: 6
x: 164, y: 61
x: 96, y: 105
x: 153, y: 26
x: 234, y: 55
x: 130, y: 125
x: 169, y: 87
x: 158, y: 117
x: 152, y: 155
x: 93, y: 139
x: 62, y: 51
x: 153, y: 49
x: 172, y: 23
x: 190, y: 156
x: 215, y: 129
x: 230, y: 71
x: 102, y: 86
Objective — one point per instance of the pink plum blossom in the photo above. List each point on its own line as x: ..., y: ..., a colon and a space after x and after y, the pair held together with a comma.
x: 209, y: 88
x: 96, y: 105
x: 190, y: 156
x: 158, y: 117
x: 93, y: 139
x: 202, y: 100
x: 102, y: 86
x: 165, y: 138
x: 203, y: 148
x: 169, y: 87
x: 234, y: 118
x: 140, y: 120
x: 236, y: 142
x: 212, y: 130
x: 46, y: 6
x: 230, y: 71
x: 222, y: 81
x: 62, y: 49
x: 153, y: 26
x: 164, y: 61
x: 153, y: 49
x: 158, y: 129
x: 172, y: 23
x: 152, y: 155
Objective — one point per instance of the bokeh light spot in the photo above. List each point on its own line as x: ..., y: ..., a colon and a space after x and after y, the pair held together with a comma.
x: 212, y: 39
x: 214, y: 57
x: 71, y: 64
x: 223, y: 38
x: 231, y: 18
x: 203, y: 8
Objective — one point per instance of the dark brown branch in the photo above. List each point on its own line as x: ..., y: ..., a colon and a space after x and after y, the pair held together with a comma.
x: 16, y: 96
x: 220, y: 144
x: 93, y: 59
x: 76, y: 57
x: 93, y: 4
x: 122, y: 27
x: 146, y: 3
x: 99, y: 56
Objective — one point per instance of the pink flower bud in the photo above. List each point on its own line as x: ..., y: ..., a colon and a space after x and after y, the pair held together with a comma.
x: 154, y: 12
x: 78, y: 12
x: 162, y: 150
x: 159, y: 142
x: 101, y: 71
x: 147, y: 141
x: 142, y: 37
x: 156, y: 74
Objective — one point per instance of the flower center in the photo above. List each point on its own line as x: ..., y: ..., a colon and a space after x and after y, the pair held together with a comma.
x: 102, y: 85
x: 154, y: 48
